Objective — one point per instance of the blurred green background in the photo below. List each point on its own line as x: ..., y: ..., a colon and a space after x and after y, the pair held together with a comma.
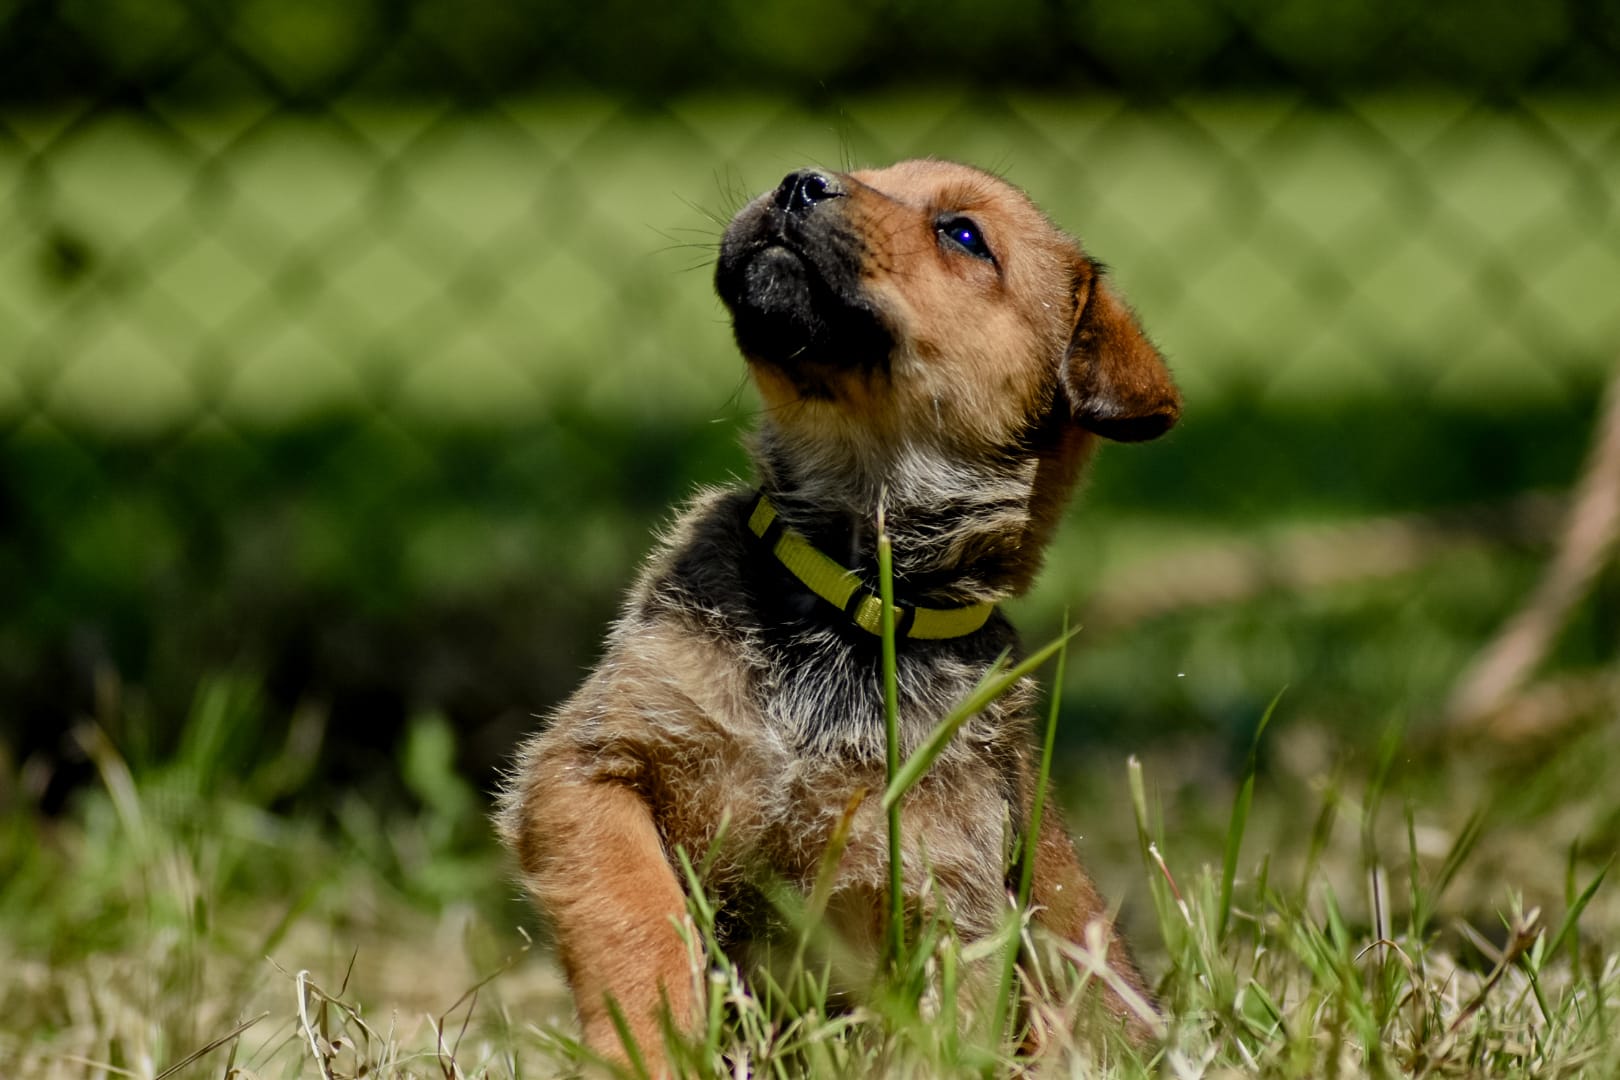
x: 355, y: 351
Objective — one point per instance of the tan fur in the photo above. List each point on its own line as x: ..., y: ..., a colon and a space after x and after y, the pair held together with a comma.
x: 727, y: 695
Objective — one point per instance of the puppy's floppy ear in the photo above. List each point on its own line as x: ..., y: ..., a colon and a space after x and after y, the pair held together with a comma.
x: 1117, y: 383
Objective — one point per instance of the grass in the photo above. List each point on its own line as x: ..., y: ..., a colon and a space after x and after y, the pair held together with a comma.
x: 176, y: 923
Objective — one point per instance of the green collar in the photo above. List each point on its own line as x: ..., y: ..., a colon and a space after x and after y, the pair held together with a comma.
x: 843, y: 588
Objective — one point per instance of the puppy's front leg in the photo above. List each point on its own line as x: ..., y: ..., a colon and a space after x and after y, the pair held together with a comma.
x: 593, y: 860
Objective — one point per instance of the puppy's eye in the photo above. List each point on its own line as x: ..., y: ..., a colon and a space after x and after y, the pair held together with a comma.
x: 965, y: 234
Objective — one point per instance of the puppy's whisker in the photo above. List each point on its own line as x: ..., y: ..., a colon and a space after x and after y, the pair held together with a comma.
x: 719, y: 220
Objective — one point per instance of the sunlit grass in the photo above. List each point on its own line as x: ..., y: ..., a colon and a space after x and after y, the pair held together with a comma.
x: 1321, y: 915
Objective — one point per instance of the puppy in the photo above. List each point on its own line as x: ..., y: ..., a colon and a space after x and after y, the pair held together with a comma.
x: 923, y: 340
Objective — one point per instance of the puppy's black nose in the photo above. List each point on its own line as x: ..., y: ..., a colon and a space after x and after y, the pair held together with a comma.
x: 801, y: 190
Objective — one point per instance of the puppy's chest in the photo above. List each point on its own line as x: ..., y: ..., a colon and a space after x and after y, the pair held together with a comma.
x: 825, y: 697
x: 810, y: 755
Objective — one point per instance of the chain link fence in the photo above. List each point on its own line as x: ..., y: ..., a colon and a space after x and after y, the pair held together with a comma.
x: 356, y: 346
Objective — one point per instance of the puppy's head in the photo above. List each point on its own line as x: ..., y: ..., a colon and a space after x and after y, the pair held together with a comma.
x: 931, y: 301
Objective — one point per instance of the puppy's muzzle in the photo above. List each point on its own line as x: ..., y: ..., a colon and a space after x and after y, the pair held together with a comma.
x: 790, y: 270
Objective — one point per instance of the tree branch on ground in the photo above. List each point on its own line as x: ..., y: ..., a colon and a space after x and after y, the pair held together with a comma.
x: 1486, y: 697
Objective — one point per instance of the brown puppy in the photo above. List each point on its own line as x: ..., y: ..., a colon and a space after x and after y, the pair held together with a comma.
x: 921, y: 336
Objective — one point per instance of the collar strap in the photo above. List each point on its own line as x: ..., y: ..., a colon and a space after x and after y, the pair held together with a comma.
x: 843, y: 588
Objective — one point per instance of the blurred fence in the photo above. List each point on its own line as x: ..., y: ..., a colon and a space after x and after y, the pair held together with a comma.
x: 357, y: 345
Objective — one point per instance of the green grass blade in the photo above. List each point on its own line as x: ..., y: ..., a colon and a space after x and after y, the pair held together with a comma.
x: 1032, y: 828
x: 697, y: 901
x: 632, y: 1049
x: 1026, y: 872
x: 1172, y: 927
x: 996, y: 681
x: 891, y: 737
x: 1567, y: 927
x: 1321, y: 833
x: 1571, y: 895
x: 1414, y: 878
x: 1466, y: 840
x: 1240, y: 820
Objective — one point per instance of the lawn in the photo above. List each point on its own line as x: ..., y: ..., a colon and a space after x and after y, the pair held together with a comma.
x: 179, y: 912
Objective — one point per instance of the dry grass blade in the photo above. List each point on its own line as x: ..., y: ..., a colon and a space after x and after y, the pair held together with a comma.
x: 1092, y: 960
x: 99, y: 1066
x: 1524, y: 933
x: 322, y: 1058
x: 469, y: 997
x: 210, y: 1047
